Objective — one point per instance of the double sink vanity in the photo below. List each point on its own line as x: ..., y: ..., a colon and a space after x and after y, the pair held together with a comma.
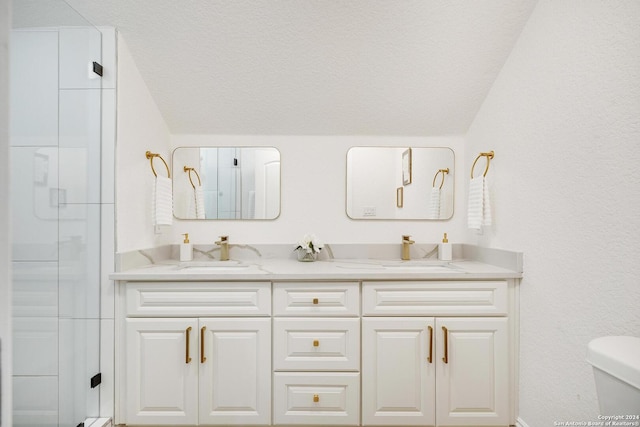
x: 357, y: 339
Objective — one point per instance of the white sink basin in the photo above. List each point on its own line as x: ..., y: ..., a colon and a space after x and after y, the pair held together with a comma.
x: 428, y: 266
x: 211, y: 266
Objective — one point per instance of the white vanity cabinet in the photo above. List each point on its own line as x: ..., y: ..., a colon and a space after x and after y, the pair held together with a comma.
x: 424, y: 364
x: 334, y: 346
x: 197, y: 353
x: 316, y: 353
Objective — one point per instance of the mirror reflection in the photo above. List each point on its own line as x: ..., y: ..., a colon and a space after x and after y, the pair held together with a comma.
x: 226, y: 182
x: 400, y: 183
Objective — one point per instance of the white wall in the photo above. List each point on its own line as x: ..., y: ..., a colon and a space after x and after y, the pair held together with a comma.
x: 140, y: 128
x: 5, y: 230
x: 562, y: 118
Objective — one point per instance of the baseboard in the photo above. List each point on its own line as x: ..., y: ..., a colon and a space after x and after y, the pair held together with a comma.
x: 520, y: 423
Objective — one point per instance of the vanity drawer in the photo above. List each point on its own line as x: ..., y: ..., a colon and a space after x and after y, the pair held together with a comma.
x: 437, y: 298
x: 316, y: 344
x: 316, y: 398
x: 316, y: 299
x: 192, y: 299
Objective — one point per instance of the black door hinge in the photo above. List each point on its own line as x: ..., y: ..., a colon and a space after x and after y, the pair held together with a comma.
x: 96, y: 380
x: 97, y: 68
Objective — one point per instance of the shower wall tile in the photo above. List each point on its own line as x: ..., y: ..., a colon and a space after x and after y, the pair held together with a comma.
x: 79, y: 157
x: 79, y: 361
x: 34, y: 88
x: 80, y: 265
x: 34, y: 190
x: 79, y: 47
x: 35, y: 289
x: 35, y: 346
x: 35, y: 401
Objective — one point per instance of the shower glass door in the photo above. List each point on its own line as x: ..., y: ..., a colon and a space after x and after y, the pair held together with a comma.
x: 55, y: 129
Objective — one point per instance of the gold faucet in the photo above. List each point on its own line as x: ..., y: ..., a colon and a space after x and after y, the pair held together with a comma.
x: 406, y: 247
x: 224, y: 248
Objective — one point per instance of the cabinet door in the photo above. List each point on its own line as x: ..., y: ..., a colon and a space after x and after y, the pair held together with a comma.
x: 472, y: 385
x: 161, y: 382
x: 235, y: 371
x: 398, y: 378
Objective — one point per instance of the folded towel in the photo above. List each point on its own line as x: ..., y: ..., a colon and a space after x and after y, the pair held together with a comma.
x: 162, y: 202
x: 199, y: 202
x: 435, y: 203
x: 479, y: 208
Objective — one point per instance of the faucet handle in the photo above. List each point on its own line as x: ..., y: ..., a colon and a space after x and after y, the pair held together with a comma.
x: 224, y: 238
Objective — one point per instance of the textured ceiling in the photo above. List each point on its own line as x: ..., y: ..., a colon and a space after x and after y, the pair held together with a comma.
x: 316, y: 67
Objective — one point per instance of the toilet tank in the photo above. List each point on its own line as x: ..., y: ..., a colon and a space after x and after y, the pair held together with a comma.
x: 616, y: 367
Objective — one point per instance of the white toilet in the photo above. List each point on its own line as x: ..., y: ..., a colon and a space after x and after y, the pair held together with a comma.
x: 616, y: 367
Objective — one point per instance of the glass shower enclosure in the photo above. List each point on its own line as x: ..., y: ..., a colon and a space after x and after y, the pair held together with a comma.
x: 55, y: 139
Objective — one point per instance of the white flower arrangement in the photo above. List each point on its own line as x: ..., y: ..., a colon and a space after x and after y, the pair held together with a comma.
x: 310, y: 244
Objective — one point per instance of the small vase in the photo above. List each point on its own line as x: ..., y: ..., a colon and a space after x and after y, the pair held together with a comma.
x: 304, y: 256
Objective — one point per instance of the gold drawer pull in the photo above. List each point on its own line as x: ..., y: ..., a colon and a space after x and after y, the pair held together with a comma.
x: 316, y: 343
x: 445, y: 332
x: 202, y: 356
x: 316, y: 398
x: 430, y: 359
x: 315, y: 301
x: 187, y: 357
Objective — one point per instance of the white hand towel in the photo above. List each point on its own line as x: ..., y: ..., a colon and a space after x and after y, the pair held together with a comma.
x: 162, y: 202
x: 199, y: 202
x: 486, y: 203
x: 479, y: 208
x: 435, y: 203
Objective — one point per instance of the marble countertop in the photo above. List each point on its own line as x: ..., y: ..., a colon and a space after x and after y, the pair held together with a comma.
x: 286, y: 269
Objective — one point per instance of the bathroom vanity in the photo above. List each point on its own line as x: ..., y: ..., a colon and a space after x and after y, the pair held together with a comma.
x: 335, y: 342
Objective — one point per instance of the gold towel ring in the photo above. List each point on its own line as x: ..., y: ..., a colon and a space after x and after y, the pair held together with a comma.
x: 188, y: 169
x: 150, y: 156
x: 443, y: 171
x: 489, y: 156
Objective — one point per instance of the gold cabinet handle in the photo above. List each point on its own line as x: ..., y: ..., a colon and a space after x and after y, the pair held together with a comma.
x: 316, y: 398
x: 430, y: 359
x: 445, y: 333
x: 202, y: 357
x: 187, y: 358
x: 315, y: 301
x: 316, y: 343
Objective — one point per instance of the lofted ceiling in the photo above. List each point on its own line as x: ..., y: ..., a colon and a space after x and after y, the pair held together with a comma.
x: 316, y: 67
